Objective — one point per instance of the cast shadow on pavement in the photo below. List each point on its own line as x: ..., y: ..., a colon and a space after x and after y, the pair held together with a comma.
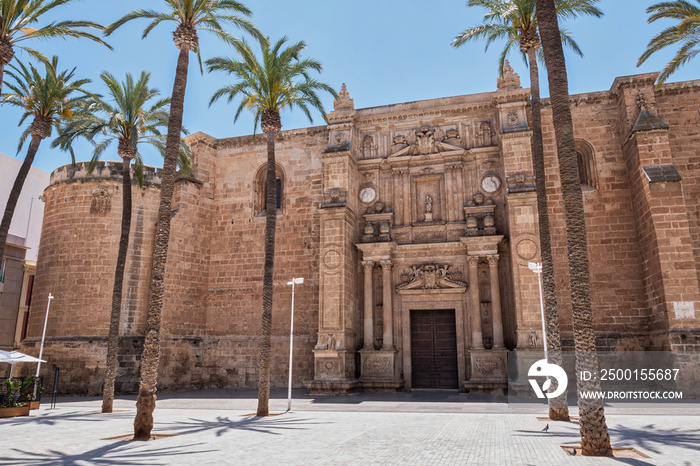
x: 647, y: 438
x: 650, y: 437
x: 267, y: 425
x: 116, y: 453
x: 50, y: 419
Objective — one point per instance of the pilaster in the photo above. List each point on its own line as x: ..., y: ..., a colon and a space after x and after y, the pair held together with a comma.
x: 521, y: 213
x: 335, y: 354
x: 660, y: 211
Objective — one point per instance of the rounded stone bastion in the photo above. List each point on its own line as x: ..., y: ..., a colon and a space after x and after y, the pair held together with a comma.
x: 76, y: 265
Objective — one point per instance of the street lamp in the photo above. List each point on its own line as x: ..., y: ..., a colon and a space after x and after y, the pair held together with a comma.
x: 295, y: 281
x: 536, y: 267
x: 43, y: 335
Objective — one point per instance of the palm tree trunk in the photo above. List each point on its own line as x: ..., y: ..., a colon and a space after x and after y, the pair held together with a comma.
x: 146, y: 400
x: 595, y: 440
x: 2, y: 75
x: 270, y: 224
x: 113, y: 338
x: 16, y: 191
x: 558, y: 409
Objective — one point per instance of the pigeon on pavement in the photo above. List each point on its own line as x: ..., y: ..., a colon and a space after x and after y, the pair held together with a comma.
x: 546, y: 428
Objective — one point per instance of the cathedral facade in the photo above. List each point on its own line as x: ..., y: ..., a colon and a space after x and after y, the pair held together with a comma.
x: 413, y: 226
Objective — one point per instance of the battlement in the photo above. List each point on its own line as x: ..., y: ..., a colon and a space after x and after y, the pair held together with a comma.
x: 111, y: 170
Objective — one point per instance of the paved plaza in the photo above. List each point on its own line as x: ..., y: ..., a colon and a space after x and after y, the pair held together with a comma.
x: 416, y: 428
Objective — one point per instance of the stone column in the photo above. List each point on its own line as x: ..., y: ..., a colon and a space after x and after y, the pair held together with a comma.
x: 369, y: 306
x: 477, y: 342
x: 407, y: 201
x: 496, y: 303
x: 388, y: 339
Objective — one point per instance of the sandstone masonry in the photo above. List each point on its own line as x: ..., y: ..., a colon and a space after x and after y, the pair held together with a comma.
x: 412, y: 225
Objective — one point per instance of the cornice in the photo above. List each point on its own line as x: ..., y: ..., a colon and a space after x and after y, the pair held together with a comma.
x: 647, y: 79
x: 416, y: 114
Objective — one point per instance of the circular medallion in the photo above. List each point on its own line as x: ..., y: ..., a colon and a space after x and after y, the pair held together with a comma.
x: 368, y: 194
x: 527, y: 249
x: 332, y: 259
x: 491, y: 184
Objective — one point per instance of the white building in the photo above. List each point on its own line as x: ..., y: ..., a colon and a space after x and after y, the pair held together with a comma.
x: 19, y: 259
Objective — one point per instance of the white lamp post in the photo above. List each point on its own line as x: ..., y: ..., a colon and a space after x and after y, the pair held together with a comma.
x: 295, y: 281
x: 537, y: 268
x: 43, y: 335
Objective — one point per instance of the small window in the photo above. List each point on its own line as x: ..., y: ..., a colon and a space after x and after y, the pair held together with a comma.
x: 588, y: 175
x: 2, y: 271
x: 260, y: 192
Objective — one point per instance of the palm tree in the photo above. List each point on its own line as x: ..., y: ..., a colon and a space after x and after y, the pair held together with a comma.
x: 279, y: 81
x: 47, y: 99
x: 595, y: 440
x: 128, y: 121
x: 16, y: 19
x: 189, y: 16
x: 516, y: 21
x: 686, y: 32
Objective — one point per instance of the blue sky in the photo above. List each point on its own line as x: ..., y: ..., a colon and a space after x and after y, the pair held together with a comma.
x: 386, y: 51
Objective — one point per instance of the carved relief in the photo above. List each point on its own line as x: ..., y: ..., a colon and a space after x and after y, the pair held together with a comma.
x: 101, y: 201
x: 334, y: 198
x: 327, y: 342
x: 424, y: 141
x: 338, y: 141
x: 492, y: 367
x: 513, y: 119
x: 377, y: 365
x: 521, y: 182
x: 431, y: 276
x: 534, y: 340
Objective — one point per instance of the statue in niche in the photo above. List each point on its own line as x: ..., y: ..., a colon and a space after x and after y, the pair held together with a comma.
x: 534, y: 340
x: 485, y: 132
x: 428, y: 209
x: 368, y: 147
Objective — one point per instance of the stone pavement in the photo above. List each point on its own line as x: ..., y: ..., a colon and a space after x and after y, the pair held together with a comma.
x: 414, y: 428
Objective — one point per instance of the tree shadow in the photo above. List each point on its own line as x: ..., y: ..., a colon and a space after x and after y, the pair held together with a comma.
x: 116, y: 453
x: 650, y: 437
x: 221, y: 425
x: 50, y: 419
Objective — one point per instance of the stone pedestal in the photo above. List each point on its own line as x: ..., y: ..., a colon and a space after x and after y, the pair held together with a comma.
x: 334, y: 372
x: 488, y: 372
x: 377, y: 371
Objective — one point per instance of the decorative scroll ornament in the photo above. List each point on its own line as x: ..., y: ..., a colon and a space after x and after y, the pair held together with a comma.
x: 431, y: 276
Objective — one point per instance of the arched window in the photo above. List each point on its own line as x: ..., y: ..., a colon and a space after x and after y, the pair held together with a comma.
x: 586, y: 164
x: 260, y: 190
